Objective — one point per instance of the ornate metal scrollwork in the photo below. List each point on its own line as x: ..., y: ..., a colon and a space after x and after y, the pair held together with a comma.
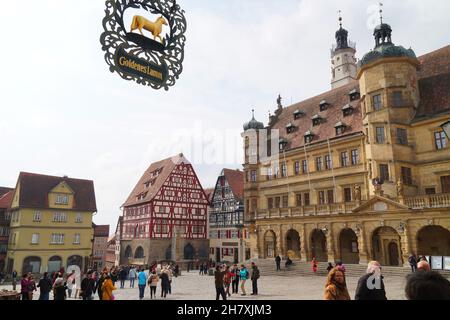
x: 171, y: 55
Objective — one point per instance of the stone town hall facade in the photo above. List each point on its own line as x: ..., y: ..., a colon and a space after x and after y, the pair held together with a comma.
x: 364, y: 169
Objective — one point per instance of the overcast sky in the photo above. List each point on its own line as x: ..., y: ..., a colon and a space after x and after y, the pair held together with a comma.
x: 63, y: 113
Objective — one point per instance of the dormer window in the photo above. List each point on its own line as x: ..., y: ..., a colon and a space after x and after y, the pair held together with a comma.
x: 317, y: 120
x: 62, y: 199
x: 323, y: 105
x: 309, y: 137
x: 340, y: 128
x: 347, y: 110
x: 298, y: 114
x: 290, y: 128
x: 354, y: 95
x: 283, y: 144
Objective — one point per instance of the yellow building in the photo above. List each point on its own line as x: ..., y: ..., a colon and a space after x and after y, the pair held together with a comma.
x: 51, y: 223
x: 363, y: 170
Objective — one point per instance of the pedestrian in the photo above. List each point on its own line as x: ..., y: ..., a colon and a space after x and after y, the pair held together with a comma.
x: 114, y: 276
x: 255, y: 276
x: 371, y: 285
x: 122, y: 277
x: 288, y: 262
x: 201, y: 270
x: 335, y: 288
x: 169, y: 274
x: 423, y: 266
x: 164, y: 283
x: 153, y: 283
x: 177, y: 271
x: 229, y: 275
x: 278, y: 262
x: 235, y: 280
x: 412, y: 262
x: 243, y: 276
x: 132, y: 274
x: 427, y: 286
x: 98, y: 286
x: 25, y: 287
x: 14, y: 279
x: 88, y: 286
x: 45, y: 286
x: 142, y: 282
x: 340, y: 267
x: 32, y: 286
x: 219, y: 276
x: 59, y: 288
x: 107, y: 289
x: 330, y: 266
x: 314, y: 265
x: 71, y: 284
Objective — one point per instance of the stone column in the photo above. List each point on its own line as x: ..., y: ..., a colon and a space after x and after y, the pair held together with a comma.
x: 405, y: 247
x: 330, y: 244
x: 362, y: 246
x: 279, y: 241
x: 303, y: 244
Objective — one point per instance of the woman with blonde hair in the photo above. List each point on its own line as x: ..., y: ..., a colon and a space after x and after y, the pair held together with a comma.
x: 335, y: 288
x: 107, y: 289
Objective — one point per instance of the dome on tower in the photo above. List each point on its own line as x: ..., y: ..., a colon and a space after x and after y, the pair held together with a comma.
x: 341, y: 39
x: 253, y: 124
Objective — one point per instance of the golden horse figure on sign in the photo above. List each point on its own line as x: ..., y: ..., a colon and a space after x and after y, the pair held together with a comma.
x: 154, y: 27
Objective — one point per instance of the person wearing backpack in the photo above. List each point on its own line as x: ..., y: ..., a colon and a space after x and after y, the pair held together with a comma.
x: 243, y: 275
x: 254, y: 278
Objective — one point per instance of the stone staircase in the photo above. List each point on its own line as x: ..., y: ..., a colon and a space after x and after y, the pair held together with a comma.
x: 267, y: 267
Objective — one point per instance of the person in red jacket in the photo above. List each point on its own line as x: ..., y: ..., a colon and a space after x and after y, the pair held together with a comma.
x: 314, y: 265
x: 229, y: 276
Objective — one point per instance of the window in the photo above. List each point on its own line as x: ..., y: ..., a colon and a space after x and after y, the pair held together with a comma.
x: 77, y: 238
x: 340, y: 130
x: 305, y: 166
x: 269, y: 173
x: 445, y: 183
x: 62, y: 199
x: 285, y: 201
x: 297, y: 167
x: 78, y: 218
x: 328, y: 163
x: 317, y: 121
x: 330, y: 196
x: 347, y: 194
x: 298, y: 200
x: 380, y: 137
x: 297, y: 114
x: 277, y: 202
x: 344, y: 159
x: 35, y: 238
x: 430, y: 190
x: 407, y: 176
x: 376, y: 102
x: 162, y: 209
x: 57, y: 238
x: 283, y: 170
x: 197, y: 229
x: 253, y: 176
x: 308, y: 138
x: 397, y: 99
x: 277, y: 172
x: 355, y: 157
x: 37, y: 216
x: 384, y: 172
x: 440, y: 140
x: 270, y: 203
x: 319, y: 164
x: 307, y: 200
x: 321, y: 197
x: 402, y: 136
x: 59, y: 217
x: 290, y: 128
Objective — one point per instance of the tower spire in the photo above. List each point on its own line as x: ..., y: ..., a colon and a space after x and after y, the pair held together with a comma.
x: 381, y: 12
x: 340, y: 18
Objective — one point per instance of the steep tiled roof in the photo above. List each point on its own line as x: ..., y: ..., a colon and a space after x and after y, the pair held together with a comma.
x: 4, y: 190
x: 154, y: 177
x: 101, y: 231
x: 34, y: 189
x: 235, y: 179
x: 6, y: 199
x: 435, y: 62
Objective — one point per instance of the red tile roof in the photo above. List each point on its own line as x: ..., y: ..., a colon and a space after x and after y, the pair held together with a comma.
x: 6, y: 199
x: 4, y: 190
x: 101, y: 231
x: 235, y: 179
x: 34, y: 189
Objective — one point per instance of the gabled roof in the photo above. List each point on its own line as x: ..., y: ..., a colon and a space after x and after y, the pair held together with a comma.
x: 375, y: 199
x: 6, y: 199
x: 34, y: 189
x: 235, y: 179
x: 154, y: 177
x: 101, y: 231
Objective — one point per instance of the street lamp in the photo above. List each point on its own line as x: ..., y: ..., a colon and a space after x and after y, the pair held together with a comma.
x: 446, y: 128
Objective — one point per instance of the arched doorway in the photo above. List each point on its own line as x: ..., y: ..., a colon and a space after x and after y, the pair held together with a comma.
x: 386, y: 247
x: 128, y: 253
x: 293, y: 243
x: 31, y: 264
x: 189, y: 252
x: 433, y: 241
x: 348, y: 245
x: 75, y: 261
x: 270, y: 240
x: 139, y: 253
x: 319, y: 246
x: 54, y: 264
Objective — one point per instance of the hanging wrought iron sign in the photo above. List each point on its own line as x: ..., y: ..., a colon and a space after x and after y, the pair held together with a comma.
x: 144, y: 40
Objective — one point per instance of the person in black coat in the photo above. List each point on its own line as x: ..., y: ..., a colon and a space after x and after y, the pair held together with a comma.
x: 88, y: 287
x: 98, y: 286
x: 278, y: 262
x: 371, y: 285
x: 122, y: 277
x: 45, y: 286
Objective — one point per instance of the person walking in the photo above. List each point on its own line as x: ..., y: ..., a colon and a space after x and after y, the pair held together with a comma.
x: 122, y: 277
x: 219, y: 276
x: 278, y: 262
x: 243, y: 276
x: 32, y: 286
x: 45, y: 286
x: 330, y: 266
x: 314, y: 265
x: 25, y: 287
x: 114, y: 276
x: 59, y: 288
x: 98, y: 286
x: 227, y: 280
x: 255, y: 276
x: 371, y: 285
x: 88, y: 286
x: 132, y: 275
x: 14, y: 279
x: 142, y: 282
x: 335, y: 288
x: 71, y: 284
x: 107, y: 289
x: 427, y: 286
x: 165, y: 283
x: 235, y: 280
x: 169, y: 274
x: 153, y: 283
x: 412, y: 262
x: 177, y: 271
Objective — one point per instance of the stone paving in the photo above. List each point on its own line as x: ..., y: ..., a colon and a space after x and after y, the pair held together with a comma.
x: 192, y: 286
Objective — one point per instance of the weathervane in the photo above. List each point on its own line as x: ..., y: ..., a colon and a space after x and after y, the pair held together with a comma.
x: 381, y: 12
x: 340, y: 17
